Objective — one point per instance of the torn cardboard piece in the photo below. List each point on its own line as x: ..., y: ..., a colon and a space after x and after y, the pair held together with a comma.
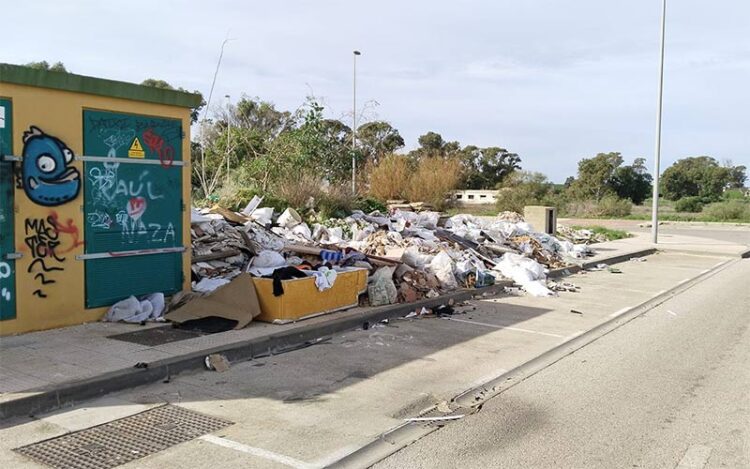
x: 237, y: 301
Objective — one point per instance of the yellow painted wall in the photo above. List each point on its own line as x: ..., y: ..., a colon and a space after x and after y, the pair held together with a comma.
x: 60, y: 114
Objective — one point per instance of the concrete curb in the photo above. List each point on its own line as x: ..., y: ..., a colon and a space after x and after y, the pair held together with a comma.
x: 471, y: 400
x: 62, y: 395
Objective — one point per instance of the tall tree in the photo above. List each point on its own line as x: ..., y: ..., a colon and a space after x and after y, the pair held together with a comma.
x: 700, y: 176
x: 633, y: 181
x: 377, y: 139
x: 595, y: 176
x: 44, y: 65
x: 486, y: 168
x: 432, y: 145
x: 161, y: 84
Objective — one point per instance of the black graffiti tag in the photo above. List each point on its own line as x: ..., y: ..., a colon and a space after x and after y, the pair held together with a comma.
x: 42, y: 238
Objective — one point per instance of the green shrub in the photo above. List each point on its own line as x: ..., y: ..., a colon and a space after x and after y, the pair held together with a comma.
x: 608, y: 207
x: 733, y: 194
x: 514, y: 199
x: 689, y: 204
x: 335, y: 202
x: 368, y: 204
x: 579, y: 209
x: 612, y: 206
x: 734, y: 210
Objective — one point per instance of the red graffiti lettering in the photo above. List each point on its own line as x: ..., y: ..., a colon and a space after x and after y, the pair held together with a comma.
x: 68, y: 228
x: 155, y: 143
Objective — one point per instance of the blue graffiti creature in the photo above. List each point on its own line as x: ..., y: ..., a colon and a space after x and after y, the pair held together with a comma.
x: 48, y: 178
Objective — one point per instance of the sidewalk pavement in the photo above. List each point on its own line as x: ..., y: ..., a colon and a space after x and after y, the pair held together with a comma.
x: 349, y: 396
x: 45, y: 370
x: 682, y: 243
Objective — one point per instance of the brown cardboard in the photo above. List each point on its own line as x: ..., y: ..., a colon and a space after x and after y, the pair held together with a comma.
x: 238, y: 301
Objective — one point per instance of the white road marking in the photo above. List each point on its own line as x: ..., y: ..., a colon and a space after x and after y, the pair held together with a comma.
x: 720, y: 263
x: 683, y: 281
x: 696, y: 457
x: 671, y: 312
x: 660, y: 292
x: 435, y: 419
x: 705, y: 270
x: 495, y: 326
x: 259, y: 452
x: 621, y: 311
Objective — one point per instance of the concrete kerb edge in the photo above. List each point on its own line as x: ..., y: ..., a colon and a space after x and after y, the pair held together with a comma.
x: 399, y: 437
x: 62, y: 395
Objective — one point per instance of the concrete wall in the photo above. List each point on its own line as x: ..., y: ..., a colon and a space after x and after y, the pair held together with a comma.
x: 60, y: 113
x: 474, y: 197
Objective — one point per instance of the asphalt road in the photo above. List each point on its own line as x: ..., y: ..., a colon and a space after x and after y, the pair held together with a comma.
x: 669, y: 389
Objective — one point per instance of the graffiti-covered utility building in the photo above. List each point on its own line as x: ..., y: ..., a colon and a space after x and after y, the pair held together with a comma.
x: 94, y: 184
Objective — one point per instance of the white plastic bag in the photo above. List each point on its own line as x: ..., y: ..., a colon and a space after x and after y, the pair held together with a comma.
x: 442, y: 266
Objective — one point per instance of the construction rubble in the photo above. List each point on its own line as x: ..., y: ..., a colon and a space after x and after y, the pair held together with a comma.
x: 408, y: 255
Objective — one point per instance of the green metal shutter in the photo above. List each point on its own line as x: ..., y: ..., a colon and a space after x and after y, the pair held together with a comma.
x: 132, y: 206
x: 7, y: 215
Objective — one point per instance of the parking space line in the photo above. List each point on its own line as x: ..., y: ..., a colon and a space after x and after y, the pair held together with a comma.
x: 259, y: 452
x: 495, y: 326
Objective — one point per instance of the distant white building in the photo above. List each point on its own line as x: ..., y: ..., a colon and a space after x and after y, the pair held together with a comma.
x: 474, y: 197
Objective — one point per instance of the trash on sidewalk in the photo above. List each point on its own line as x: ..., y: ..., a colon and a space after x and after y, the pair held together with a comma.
x: 404, y: 252
x: 582, y: 235
x: 134, y: 310
x: 236, y: 300
x: 217, y: 362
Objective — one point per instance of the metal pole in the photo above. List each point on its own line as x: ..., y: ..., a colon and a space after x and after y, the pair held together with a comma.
x: 354, y: 125
x: 229, y: 131
x: 657, y: 152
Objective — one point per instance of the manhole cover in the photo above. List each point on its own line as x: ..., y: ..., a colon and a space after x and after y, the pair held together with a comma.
x: 123, y: 440
x: 156, y: 336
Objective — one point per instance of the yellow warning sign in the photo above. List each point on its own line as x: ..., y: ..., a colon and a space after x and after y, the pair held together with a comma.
x: 136, y: 150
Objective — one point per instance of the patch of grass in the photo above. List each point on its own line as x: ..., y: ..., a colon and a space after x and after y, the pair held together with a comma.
x: 610, y: 233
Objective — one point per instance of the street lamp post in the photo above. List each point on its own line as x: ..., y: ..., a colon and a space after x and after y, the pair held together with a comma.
x: 229, y: 130
x: 657, y: 152
x: 354, y: 124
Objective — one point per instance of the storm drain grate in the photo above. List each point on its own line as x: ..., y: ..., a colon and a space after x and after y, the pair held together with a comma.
x: 124, y: 440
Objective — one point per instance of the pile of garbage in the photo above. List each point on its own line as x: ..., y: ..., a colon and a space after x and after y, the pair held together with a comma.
x: 410, y: 255
x: 582, y: 236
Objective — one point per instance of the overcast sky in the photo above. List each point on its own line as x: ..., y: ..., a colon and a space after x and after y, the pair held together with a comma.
x: 552, y: 80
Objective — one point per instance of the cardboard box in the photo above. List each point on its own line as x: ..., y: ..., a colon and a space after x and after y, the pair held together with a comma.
x: 302, y: 299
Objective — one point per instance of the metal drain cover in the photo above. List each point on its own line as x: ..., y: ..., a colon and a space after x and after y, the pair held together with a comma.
x: 124, y: 440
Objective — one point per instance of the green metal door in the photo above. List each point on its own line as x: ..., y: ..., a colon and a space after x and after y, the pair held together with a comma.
x: 7, y: 248
x: 133, y: 206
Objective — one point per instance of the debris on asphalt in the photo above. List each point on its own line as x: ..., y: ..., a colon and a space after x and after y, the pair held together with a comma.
x: 575, y: 311
x: 563, y: 286
x: 583, y: 235
x: 217, y: 362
